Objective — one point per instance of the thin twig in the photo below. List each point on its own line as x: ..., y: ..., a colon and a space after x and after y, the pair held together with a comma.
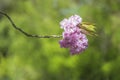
x: 27, y: 34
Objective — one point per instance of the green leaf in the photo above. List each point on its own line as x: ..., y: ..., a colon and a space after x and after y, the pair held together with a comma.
x: 88, y: 28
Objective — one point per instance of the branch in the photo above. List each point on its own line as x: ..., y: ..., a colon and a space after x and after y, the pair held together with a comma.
x: 27, y: 34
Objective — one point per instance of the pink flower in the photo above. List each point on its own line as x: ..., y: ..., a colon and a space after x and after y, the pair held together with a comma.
x: 73, y: 39
x: 71, y: 23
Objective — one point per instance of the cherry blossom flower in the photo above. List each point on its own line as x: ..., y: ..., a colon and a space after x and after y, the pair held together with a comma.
x: 73, y: 38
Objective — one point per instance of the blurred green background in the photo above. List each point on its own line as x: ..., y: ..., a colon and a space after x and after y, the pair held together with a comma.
x: 23, y: 58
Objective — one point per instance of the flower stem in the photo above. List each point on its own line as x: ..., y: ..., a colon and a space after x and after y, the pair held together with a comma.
x: 27, y: 34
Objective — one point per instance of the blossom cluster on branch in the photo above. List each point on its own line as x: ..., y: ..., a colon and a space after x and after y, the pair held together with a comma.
x: 74, y: 34
x: 73, y: 38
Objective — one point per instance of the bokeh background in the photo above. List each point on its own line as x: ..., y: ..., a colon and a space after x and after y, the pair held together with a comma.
x: 23, y: 58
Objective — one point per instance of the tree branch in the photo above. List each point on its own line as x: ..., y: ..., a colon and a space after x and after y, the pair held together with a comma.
x: 27, y: 34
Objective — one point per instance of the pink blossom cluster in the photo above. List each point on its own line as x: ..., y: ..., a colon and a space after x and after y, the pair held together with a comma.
x: 73, y: 39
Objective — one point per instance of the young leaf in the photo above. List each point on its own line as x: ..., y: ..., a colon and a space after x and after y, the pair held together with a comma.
x: 88, y: 28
